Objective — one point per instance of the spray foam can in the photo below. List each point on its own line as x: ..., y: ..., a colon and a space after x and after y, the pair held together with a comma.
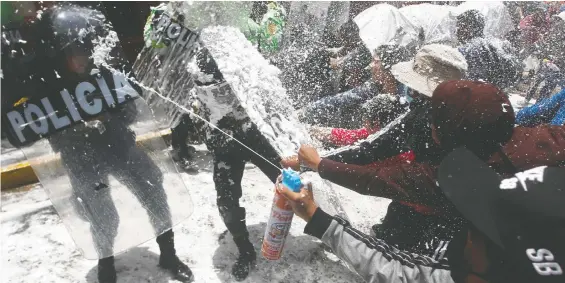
x: 281, y: 217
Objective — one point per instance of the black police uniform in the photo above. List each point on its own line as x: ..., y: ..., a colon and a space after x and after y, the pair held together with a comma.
x: 90, y: 154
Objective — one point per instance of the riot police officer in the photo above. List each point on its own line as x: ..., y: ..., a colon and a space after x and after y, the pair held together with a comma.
x: 59, y: 55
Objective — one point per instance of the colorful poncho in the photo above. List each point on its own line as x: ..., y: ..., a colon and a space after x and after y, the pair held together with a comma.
x: 268, y: 33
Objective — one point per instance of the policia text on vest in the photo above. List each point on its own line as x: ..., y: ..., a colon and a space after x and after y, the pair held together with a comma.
x: 38, y: 118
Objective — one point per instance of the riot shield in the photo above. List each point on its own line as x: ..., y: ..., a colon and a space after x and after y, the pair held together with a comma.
x: 220, y: 69
x: 439, y: 21
x: 306, y: 22
x: 393, y: 27
x: 498, y: 22
x: 90, y: 137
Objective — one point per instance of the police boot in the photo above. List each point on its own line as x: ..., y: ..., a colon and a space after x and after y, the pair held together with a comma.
x: 185, y: 157
x: 246, y: 260
x: 169, y: 259
x: 190, y: 161
x: 234, y: 218
x: 106, y: 270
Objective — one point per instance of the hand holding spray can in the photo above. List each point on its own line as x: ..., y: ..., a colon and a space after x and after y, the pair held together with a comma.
x: 281, y: 217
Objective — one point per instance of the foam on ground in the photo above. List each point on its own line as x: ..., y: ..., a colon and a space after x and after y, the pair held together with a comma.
x: 37, y: 248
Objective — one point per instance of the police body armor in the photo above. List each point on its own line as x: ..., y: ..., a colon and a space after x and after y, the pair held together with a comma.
x: 84, y: 127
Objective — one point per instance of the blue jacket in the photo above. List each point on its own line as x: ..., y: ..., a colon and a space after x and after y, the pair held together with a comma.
x: 550, y: 110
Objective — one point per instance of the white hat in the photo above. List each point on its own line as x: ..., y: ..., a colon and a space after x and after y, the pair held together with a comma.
x: 432, y: 65
x: 561, y: 15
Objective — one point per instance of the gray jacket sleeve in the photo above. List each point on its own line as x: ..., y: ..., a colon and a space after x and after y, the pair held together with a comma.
x: 373, y: 259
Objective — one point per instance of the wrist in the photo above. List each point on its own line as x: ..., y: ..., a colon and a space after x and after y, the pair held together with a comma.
x: 318, y: 223
x: 310, y: 212
x: 316, y: 164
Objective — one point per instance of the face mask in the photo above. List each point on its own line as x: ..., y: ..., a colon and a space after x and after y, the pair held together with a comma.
x: 406, y: 93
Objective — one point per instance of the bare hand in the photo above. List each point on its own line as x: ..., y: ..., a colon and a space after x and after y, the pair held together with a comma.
x: 291, y: 162
x: 302, y: 203
x: 308, y: 155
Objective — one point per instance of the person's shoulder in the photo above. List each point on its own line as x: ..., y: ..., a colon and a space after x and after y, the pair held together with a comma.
x: 530, y: 147
x: 534, y: 132
x: 534, y: 142
x: 523, y: 135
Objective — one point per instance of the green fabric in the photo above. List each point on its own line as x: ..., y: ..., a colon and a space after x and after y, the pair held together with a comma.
x: 252, y: 31
x: 268, y: 33
x: 148, y: 28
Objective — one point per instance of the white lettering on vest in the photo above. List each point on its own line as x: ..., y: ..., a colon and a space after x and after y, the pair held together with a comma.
x: 539, y: 255
x: 123, y: 88
x: 535, y: 174
x: 544, y: 268
x: 105, y: 91
x: 548, y: 268
x: 58, y: 122
x: 91, y: 108
x: 18, y: 123
x: 70, y: 105
x: 39, y: 123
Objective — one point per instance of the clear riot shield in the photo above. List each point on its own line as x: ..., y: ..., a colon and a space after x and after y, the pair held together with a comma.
x: 248, y: 82
x: 111, y: 194
x: 92, y: 141
x: 439, y: 22
x: 393, y: 28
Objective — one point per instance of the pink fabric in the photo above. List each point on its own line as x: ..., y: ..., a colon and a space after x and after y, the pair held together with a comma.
x: 341, y: 137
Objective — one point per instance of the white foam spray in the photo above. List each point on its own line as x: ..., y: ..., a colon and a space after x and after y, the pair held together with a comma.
x: 191, y: 113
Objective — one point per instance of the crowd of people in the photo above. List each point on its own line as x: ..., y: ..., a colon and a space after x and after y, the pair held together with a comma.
x: 445, y: 99
x: 455, y: 95
x: 464, y: 91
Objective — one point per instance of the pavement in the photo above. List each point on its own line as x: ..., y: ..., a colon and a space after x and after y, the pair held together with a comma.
x: 17, y: 170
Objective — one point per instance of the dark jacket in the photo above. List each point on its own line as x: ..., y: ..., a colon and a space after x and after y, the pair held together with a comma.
x: 492, y: 60
x: 415, y: 182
